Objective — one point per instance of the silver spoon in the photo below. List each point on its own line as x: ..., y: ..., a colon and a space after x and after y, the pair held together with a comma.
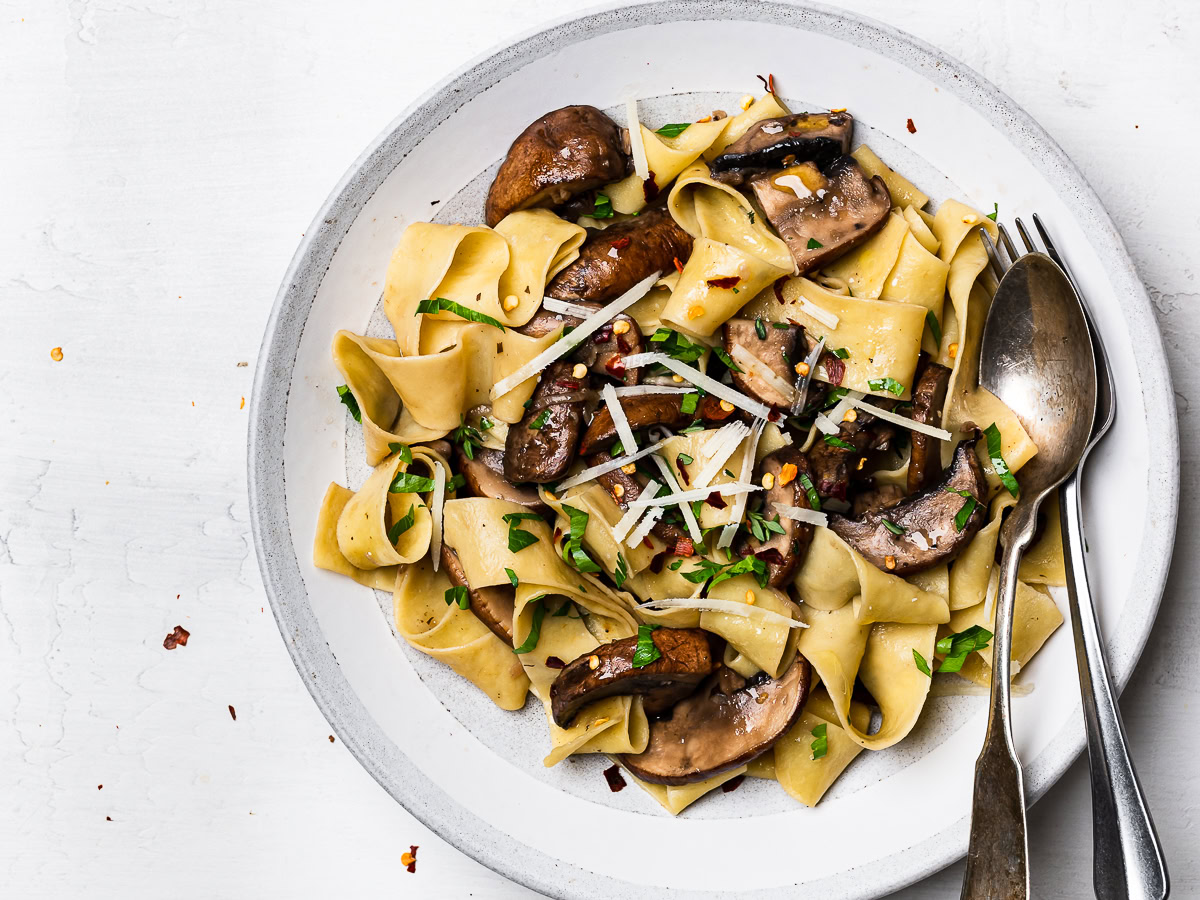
x: 1036, y: 356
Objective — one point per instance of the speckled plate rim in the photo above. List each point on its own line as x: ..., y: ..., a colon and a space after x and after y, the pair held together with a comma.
x: 285, y: 588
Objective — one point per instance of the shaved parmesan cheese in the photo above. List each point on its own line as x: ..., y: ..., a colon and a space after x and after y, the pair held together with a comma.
x: 773, y: 128
x: 839, y: 411
x: 612, y: 251
x: 826, y: 424
x: 802, y: 385
x: 759, y: 369
x: 620, y: 420
x: 638, y: 390
x: 717, y: 450
x: 739, y: 505
x: 567, y: 308
x: 645, y: 526
x: 793, y: 183
x: 637, y: 146
x: 726, y: 490
x: 903, y: 421
x: 824, y: 316
x: 684, y: 507
x: 627, y: 521
x: 435, y: 511
x: 733, y: 607
x: 611, y: 465
x: 700, y: 380
x: 569, y: 342
x: 800, y: 514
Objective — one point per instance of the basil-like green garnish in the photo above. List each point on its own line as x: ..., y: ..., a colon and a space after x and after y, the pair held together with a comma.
x: 820, y: 744
x: 814, y: 244
x: 402, y: 524
x: 602, y: 208
x: 889, y: 384
x: 458, y: 594
x: 675, y: 129
x: 760, y: 328
x: 621, y: 575
x: 512, y: 577
x: 894, y: 528
x: 763, y: 528
x: 573, y: 551
x: 438, y: 304
x: 726, y: 359
x: 684, y: 459
x: 407, y: 483
x: 995, y: 211
x: 646, y: 651
x: 965, y: 511
x: 689, y: 403
x: 834, y: 441
x: 1002, y: 471
x: 921, y: 664
x: 403, y: 449
x: 814, y: 499
x: 539, y: 421
x: 935, y: 327
x: 351, y: 404
x: 957, y: 647
x: 535, y: 627
x: 518, y: 538
x: 842, y: 353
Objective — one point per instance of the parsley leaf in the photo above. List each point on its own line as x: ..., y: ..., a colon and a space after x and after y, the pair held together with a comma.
x: 1002, y: 471
x: 820, y: 746
x: 403, y: 449
x: 763, y: 528
x: 889, y: 384
x: 646, y: 651
x: 689, y: 403
x: 441, y: 303
x: 957, y: 647
x: 676, y: 346
x: 458, y: 594
x: 518, y: 538
x: 935, y: 327
x: 467, y: 437
x: 407, y: 483
x: 573, y: 551
x: 814, y: 499
x: 621, y: 575
x: 402, y: 524
x: 535, y: 627
x: 726, y: 359
x: 921, y: 664
x: 834, y: 441
x: 602, y: 208
x: 684, y: 459
x: 894, y: 528
x: 814, y: 244
x: 512, y: 577
x: 965, y: 511
x: 675, y: 129
x: 995, y: 212
x: 540, y: 421
x: 760, y: 328
x: 841, y: 353
x: 351, y: 404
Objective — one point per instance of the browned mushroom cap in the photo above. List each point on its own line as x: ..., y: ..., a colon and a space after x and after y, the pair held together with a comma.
x: 777, y: 143
x: 833, y: 465
x: 484, y: 475
x: 821, y: 215
x: 614, y: 260
x: 929, y: 397
x: 875, y: 498
x: 727, y: 722
x: 493, y: 606
x: 782, y: 553
x: 602, y: 352
x: 686, y: 660
x: 774, y: 349
x: 927, y: 520
x: 564, y: 153
x: 625, y: 488
x: 541, y: 446
x: 646, y: 410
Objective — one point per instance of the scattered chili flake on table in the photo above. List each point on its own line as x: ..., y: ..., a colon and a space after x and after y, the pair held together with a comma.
x: 232, y: 712
x: 108, y: 818
x: 912, y: 129
x: 177, y: 638
x: 99, y: 787
x: 613, y: 776
x: 409, y: 859
x: 768, y: 82
x: 56, y: 354
x: 331, y: 739
x: 243, y: 406
x: 733, y: 784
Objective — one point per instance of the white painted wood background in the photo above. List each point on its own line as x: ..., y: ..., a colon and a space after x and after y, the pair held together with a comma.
x: 159, y: 160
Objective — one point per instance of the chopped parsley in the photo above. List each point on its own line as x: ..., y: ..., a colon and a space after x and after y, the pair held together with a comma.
x: 695, y: 426
x: 675, y: 129
x: 841, y: 353
x: 750, y: 214
x: 674, y: 567
x: 535, y: 627
x: 403, y: 449
x: 456, y: 483
x: 458, y: 594
x: 763, y: 528
x: 995, y: 211
x: 540, y: 420
x: 402, y: 524
x: 676, y: 346
x: 407, y: 483
x: 467, y: 437
x: 968, y: 507
x: 573, y: 551
x: 621, y: 575
x: 707, y: 569
x: 351, y: 404
x: 689, y: 403
x: 616, y: 450
x: 512, y: 577
x: 646, y: 652
x: 684, y: 459
x: 834, y: 441
x: 820, y: 744
x: 957, y: 647
x: 814, y: 499
x: 1002, y: 471
x: 921, y: 664
x: 894, y: 528
x: 889, y: 384
x: 438, y: 304
x: 518, y: 538
x: 730, y: 474
x: 814, y: 244
x: 602, y: 209
x: 760, y: 328
x: 935, y: 327
x: 782, y: 326
x: 726, y: 359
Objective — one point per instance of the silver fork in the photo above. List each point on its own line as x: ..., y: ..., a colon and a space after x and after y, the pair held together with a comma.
x: 1127, y: 860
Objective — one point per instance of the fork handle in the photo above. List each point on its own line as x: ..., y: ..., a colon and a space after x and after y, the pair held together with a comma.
x: 1127, y: 858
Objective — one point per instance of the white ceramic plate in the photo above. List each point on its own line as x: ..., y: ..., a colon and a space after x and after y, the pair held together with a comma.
x: 473, y: 772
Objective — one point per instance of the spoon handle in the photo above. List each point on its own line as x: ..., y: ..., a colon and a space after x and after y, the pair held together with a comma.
x: 1127, y: 861
x: 997, y: 859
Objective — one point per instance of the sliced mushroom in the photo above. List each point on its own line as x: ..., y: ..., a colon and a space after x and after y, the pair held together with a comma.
x: 646, y: 410
x: 777, y: 143
x: 625, y: 487
x: 726, y: 723
x: 541, y: 446
x: 564, y: 153
x: 772, y: 344
x: 929, y: 398
x: 602, y: 352
x: 930, y: 534
x: 822, y: 214
x: 493, y: 606
x: 834, y: 465
x: 876, y: 498
x: 614, y: 260
x: 686, y: 659
x: 782, y: 553
x: 484, y: 474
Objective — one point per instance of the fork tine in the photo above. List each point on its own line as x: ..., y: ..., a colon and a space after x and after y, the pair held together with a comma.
x: 997, y: 267
x: 1029, y: 244
x: 1007, y: 243
x: 1051, y: 250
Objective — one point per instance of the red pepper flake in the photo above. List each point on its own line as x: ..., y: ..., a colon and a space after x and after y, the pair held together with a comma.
x: 684, y: 546
x: 650, y: 187
x: 678, y: 266
x: 622, y: 242
x: 656, y: 563
x: 108, y: 818
x: 553, y: 662
x: 232, y: 712
x: 99, y: 787
x: 613, y: 776
x: 557, y: 535
x: 683, y: 472
x: 649, y: 545
x: 622, y: 344
x: 912, y: 129
x: 768, y: 82
x: 716, y: 501
x: 726, y: 282
x: 778, y: 287
x: 733, y: 784
x: 567, y: 383
x: 834, y: 368
x: 331, y: 739
x: 409, y: 859
x: 177, y: 638
x: 774, y: 416
x: 771, y: 556
x: 615, y: 366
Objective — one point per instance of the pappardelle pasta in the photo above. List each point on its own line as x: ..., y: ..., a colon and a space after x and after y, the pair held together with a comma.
x: 687, y: 442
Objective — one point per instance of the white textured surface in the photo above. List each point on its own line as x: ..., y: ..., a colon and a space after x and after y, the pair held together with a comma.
x: 159, y: 162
